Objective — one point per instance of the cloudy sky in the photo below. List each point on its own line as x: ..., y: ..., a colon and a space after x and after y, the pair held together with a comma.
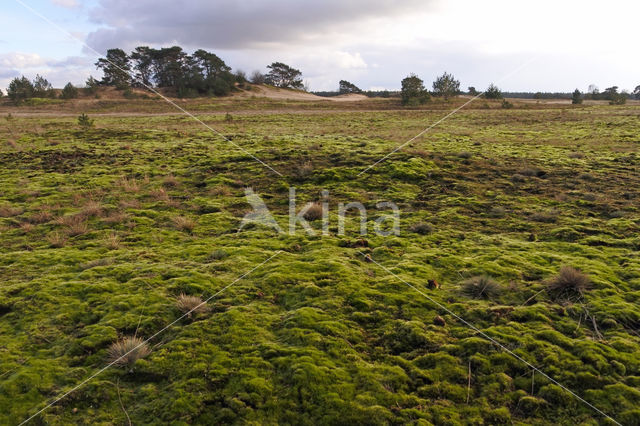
x: 529, y: 45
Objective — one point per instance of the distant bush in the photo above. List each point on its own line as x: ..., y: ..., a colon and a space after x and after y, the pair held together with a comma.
x: 69, y: 92
x: 20, y: 89
x: 240, y: 76
x: 126, y: 351
x: 85, y: 122
x: 257, y: 77
x: 570, y: 283
x: 493, y: 92
x: 446, y: 86
x: 413, y: 92
x: 481, y: 287
x: 576, y: 98
x: 91, y: 86
x: 506, y: 104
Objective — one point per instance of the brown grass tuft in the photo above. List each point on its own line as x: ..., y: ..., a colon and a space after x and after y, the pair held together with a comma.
x: 221, y: 190
x: 183, y: 223
x: 126, y: 351
x: 170, y: 181
x: 92, y: 209
x: 570, y: 283
x: 112, y: 242
x: 56, y: 240
x: 159, y: 195
x: 8, y: 211
x: 191, y: 304
x: 129, y: 204
x: 314, y: 212
x: 43, y: 216
x: 129, y: 185
x: 481, y: 287
x: 75, y: 225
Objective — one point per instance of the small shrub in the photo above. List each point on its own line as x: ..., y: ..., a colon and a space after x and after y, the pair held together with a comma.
x: 570, y: 283
x: 183, y: 224
x: 465, y: 155
x: 481, y: 287
x: 228, y: 118
x: 69, y: 92
x: 8, y: 117
x: 126, y: 351
x: 422, y: 228
x: 497, y: 212
x: 191, y: 304
x: 314, y: 212
x: 576, y: 155
x: 85, y: 122
x: 506, y: 104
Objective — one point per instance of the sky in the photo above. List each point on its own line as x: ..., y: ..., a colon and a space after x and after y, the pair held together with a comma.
x: 524, y: 45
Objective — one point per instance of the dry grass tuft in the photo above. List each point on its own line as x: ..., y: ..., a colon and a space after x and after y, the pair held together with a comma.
x: 570, y: 283
x: 422, y: 228
x: 170, y: 181
x: 481, y: 287
x: 26, y: 227
x: 191, y: 304
x: 8, y: 211
x: 314, y: 212
x: 112, y: 242
x: 129, y: 185
x: 126, y: 351
x: 159, y: 195
x: 43, y: 216
x: 56, y: 240
x: 75, y: 225
x: 183, y: 223
x: 116, y: 217
x: 221, y: 190
x: 92, y: 209
x: 129, y: 204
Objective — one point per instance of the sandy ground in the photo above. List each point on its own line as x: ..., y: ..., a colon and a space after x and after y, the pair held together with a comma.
x: 295, y: 95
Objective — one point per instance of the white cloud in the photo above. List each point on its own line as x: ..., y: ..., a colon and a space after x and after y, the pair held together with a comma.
x: 20, y: 60
x: 69, y: 4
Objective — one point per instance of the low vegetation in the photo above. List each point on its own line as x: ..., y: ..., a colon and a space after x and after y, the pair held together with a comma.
x: 113, y: 231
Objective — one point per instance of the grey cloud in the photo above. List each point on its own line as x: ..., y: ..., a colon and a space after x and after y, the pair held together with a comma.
x: 9, y: 73
x: 233, y: 24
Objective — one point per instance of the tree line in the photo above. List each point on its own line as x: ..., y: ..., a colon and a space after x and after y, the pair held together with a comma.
x: 198, y: 74
x: 204, y: 73
x: 201, y: 73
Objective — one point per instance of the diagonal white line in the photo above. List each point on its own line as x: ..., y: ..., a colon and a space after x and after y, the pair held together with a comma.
x: 68, y: 34
x: 495, y: 342
x: 146, y: 341
x: 399, y: 147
